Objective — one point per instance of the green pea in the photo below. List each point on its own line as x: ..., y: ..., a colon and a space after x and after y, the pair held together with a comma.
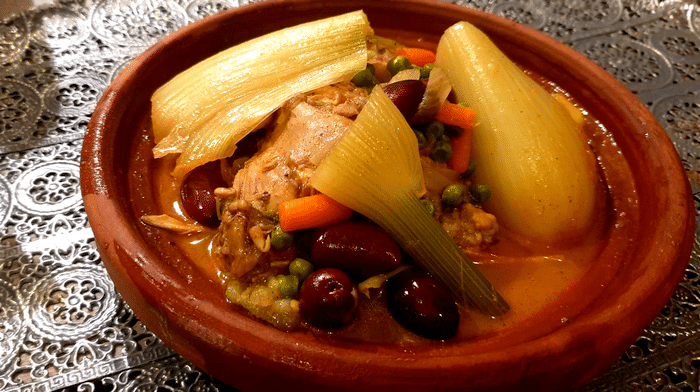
x: 364, y: 78
x: 422, y: 141
x: 428, y: 205
x: 300, y: 268
x: 288, y: 286
x: 370, y: 68
x: 453, y: 195
x: 434, y: 130
x: 442, y: 151
x: 397, y: 64
x: 281, y: 240
x: 480, y: 192
x: 426, y: 70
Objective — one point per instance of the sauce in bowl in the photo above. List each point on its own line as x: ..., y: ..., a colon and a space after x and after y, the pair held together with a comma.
x: 535, y: 279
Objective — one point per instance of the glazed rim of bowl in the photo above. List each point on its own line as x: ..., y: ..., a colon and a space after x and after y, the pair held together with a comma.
x: 196, y: 325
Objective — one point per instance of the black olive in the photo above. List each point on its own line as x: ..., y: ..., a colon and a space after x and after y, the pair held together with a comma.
x: 328, y: 298
x: 422, y: 304
x: 406, y: 95
x: 197, y: 194
x: 361, y: 249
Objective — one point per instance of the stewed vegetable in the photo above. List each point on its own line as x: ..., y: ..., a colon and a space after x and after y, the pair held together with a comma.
x: 453, y: 195
x: 359, y: 202
x: 301, y: 268
x: 398, y: 64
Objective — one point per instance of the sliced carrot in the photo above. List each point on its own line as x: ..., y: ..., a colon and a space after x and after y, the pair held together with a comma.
x: 311, y: 211
x: 461, y: 151
x: 463, y: 117
x: 457, y: 115
x: 418, y: 56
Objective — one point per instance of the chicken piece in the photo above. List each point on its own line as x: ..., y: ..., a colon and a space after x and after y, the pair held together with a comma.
x: 306, y: 130
x: 233, y: 241
x: 379, y: 63
x: 470, y: 226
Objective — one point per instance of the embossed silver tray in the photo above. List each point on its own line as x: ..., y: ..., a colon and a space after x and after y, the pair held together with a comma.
x: 62, y: 325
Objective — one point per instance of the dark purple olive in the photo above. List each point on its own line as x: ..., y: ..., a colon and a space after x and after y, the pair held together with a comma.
x: 406, y: 95
x: 422, y: 304
x: 328, y: 298
x: 197, y: 193
x: 360, y: 249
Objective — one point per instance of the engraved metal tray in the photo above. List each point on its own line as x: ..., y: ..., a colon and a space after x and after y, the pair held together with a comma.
x: 62, y: 325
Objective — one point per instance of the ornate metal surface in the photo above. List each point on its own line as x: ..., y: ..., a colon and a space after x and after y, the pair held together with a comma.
x: 63, y: 326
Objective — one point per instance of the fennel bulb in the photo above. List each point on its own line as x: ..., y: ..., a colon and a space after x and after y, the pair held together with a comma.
x: 375, y: 170
x: 528, y: 147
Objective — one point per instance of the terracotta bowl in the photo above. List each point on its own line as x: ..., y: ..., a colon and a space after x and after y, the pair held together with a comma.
x: 618, y: 298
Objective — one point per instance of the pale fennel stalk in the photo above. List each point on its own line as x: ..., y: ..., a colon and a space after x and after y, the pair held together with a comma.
x: 375, y: 170
x: 529, y: 148
x: 204, y: 111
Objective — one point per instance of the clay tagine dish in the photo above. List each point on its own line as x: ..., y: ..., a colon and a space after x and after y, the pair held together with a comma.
x: 571, y: 310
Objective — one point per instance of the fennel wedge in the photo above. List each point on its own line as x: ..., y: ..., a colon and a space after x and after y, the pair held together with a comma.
x: 204, y: 111
x: 375, y: 170
x: 529, y: 149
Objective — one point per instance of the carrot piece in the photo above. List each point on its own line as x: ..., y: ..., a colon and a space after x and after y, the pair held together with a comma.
x: 463, y: 117
x: 461, y: 151
x: 418, y: 56
x: 457, y: 115
x: 311, y: 211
